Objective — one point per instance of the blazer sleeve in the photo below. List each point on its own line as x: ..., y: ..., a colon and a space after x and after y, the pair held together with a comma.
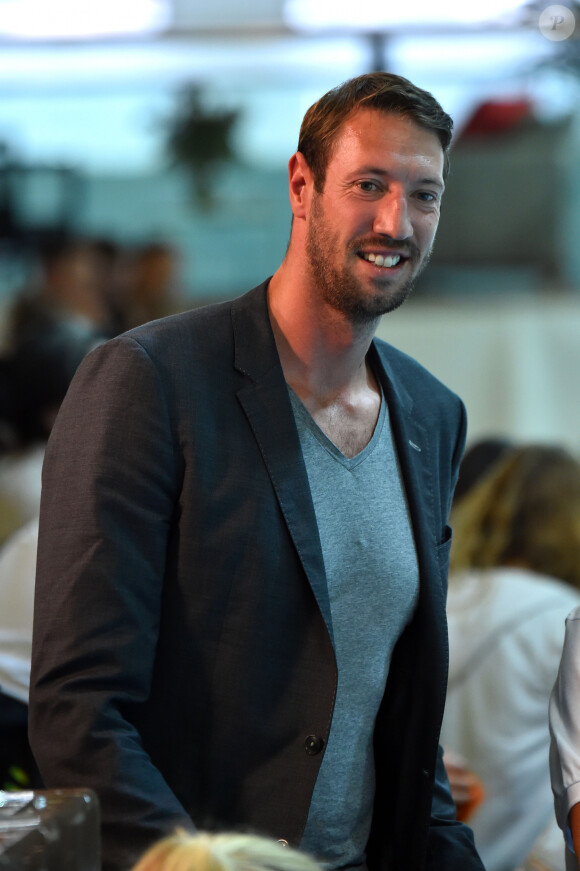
x: 110, y: 481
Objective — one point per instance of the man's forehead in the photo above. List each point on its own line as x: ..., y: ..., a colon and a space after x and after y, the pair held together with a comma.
x: 380, y: 135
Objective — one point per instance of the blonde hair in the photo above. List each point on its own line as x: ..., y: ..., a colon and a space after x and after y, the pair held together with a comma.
x: 202, y: 851
x: 524, y: 512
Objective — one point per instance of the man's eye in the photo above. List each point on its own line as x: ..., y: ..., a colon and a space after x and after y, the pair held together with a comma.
x: 427, y: 196
x: 368, y: 186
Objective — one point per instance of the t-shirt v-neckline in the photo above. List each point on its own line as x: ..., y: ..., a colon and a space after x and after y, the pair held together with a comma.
x: 327, y: 443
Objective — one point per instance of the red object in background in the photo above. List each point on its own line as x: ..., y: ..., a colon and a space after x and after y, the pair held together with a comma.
x: 497, y: 117
x: 466, y: 809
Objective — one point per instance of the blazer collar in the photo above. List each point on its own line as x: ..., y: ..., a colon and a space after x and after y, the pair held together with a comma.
x: 266, y: 403
x: 254, y: 345
x: 414, y: 443
x: 418, y: 460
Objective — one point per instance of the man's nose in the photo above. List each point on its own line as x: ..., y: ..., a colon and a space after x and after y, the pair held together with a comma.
x: 392, y: 217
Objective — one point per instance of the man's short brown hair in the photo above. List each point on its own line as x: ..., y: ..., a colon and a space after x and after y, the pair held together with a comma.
x: 384, y: 92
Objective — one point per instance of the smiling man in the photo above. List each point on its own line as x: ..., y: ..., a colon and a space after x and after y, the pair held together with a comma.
x: 383, y: 183
x: 240, y: 610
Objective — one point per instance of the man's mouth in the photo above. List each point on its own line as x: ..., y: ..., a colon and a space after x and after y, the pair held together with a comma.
x: 387, y: 261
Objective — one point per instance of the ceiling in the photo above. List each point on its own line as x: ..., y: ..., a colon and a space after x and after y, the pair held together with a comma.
x: 69, y: 19
x: 62, y: 98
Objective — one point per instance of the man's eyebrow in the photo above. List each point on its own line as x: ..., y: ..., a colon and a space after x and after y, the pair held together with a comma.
x: 434, y: 181
x: 375, y: 170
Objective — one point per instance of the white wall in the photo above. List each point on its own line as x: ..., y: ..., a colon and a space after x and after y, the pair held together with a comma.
x: 515, y: 363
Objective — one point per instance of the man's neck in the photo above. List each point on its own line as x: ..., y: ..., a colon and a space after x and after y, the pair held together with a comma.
x: 321, y: 351
x: 323, y: 358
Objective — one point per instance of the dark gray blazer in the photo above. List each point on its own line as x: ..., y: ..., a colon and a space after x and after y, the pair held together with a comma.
x: 183, y: 664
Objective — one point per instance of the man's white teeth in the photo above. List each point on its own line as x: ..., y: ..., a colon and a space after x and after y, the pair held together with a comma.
x: 379, y: 260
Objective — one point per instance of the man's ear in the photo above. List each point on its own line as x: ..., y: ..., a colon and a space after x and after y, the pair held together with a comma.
x: 300, y: 183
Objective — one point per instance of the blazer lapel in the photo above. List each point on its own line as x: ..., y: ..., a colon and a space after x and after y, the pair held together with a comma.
x: 266, y: 403
x: 414, y: 446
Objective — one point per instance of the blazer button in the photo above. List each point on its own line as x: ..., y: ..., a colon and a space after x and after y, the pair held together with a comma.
x: 283, y: 842
x: 313, y: 745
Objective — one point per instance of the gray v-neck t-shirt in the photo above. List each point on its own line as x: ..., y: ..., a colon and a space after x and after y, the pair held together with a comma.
x: 371, y: 570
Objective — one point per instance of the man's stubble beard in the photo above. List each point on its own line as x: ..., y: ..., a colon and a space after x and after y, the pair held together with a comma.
x: 339, y: 288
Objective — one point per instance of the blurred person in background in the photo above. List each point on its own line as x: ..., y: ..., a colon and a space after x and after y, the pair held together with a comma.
x: 72, y: 281
x: 18, y: 770
x: 203, y: 851
x: 514, y: 577
x: 466, y: 787
x: 565, y: 741
x: 149, y: 288
x: 35, y: 372
x: 34, y: 377
x: 478, y: 459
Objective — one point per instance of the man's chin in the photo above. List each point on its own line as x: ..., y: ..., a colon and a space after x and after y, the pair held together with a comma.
x: 381, y: 303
